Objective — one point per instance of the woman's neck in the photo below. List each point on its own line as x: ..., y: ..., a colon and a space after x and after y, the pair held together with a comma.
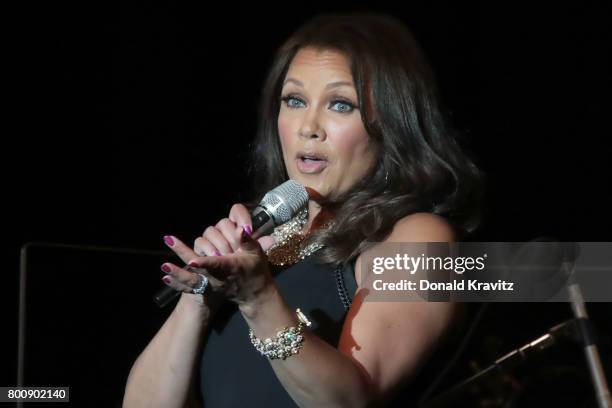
x: 317, y: 215
x: 313, y: 210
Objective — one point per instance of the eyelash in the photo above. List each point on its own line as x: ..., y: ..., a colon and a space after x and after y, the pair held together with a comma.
x: 333, y: 102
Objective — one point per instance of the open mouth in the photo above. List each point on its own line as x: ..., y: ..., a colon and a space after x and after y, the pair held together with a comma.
x: 310, y: 163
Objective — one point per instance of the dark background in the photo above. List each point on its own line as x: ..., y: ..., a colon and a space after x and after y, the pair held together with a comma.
x: 133, y: 121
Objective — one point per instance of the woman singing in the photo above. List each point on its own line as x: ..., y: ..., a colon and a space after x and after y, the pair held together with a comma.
x: 349, y: 110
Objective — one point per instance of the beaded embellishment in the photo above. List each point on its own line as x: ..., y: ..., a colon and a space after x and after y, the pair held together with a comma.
x: 289, y: 248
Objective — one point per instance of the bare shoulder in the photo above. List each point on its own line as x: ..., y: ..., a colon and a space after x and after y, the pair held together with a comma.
x: 416, y: 227
x: 395, y: 338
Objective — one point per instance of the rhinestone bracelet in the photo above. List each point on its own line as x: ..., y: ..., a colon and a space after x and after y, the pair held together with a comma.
x: 287, y: 341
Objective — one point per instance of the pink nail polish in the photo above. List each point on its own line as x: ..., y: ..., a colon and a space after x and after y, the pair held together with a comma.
x: 217, y: 253
x: 168, y: 240
x: 193, y: 263
x: 166, y: 268
x: 247, y: 229
x: 167, y: 279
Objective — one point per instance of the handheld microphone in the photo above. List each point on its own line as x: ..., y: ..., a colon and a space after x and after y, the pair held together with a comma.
x: 277, y: 207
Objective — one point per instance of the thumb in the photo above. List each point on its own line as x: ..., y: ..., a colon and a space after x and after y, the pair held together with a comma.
x: 247, y: 243
x: 266, y: 242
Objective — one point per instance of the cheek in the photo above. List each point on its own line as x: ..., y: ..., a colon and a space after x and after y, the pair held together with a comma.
x: 284, y: 131
x: 351, y: 144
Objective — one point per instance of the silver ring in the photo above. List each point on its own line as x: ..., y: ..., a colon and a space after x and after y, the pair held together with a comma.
x: 201, y: 288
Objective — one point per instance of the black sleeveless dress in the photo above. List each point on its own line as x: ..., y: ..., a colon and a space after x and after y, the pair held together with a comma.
x: 233, y: 374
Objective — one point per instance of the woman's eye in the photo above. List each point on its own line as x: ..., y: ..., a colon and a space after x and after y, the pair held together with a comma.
x: 292, y: 101
x: 337, y: 105
x: 342, y: 106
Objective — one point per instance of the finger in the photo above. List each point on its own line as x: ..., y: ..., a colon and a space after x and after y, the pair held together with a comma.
x: 213, y: 283
x: 266, y: 242
x: 203, y: 247
x: 175, y: 284
x: 247, y: 243
x: 218, y: 240
x: 240, y: 215
x: 186, y: 279
x: 183, y: 276
x: 216, y: 267
x: 227, y: 228
x: 183, y: 251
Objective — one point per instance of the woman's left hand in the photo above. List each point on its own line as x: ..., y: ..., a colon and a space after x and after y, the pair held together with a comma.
x: 242, y: 276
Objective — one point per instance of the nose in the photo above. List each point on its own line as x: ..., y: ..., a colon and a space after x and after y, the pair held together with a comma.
x: 311, y: 128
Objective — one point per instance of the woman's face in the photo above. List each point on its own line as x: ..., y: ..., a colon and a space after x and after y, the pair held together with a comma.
x: 325, y: 145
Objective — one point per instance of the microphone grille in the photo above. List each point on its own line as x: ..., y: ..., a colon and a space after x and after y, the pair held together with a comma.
x: 284, y: 201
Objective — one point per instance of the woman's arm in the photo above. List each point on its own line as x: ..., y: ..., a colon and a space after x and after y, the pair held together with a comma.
x: 163, y: 373
x: 382, y: 343
x: 162, y: 376
x: 319, y: 375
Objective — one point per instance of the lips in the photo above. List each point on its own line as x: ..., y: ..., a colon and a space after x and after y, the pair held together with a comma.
x: 311, y: 154
x: 311, y: 162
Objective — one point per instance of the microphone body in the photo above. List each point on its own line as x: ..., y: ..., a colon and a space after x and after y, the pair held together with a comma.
x: 276, y: 208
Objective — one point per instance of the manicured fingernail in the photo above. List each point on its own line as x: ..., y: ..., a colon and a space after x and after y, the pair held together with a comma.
x: 165, y: 268
x: 247, y: 229
x: 192, y: 263
x: 167, y: 279
x: 168, y: 240
x: 217, y: 253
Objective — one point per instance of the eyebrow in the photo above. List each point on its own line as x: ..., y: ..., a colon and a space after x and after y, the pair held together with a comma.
x: 328, y: 86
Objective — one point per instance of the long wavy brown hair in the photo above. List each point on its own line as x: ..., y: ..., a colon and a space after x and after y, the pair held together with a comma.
x: 421, y: 166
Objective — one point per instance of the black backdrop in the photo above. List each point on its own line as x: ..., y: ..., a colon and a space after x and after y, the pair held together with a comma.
x: 126, y: 122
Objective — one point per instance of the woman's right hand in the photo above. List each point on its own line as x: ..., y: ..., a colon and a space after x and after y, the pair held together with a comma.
x: 221, y: 239
x: 184, y: 279
x: 215, y: 241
